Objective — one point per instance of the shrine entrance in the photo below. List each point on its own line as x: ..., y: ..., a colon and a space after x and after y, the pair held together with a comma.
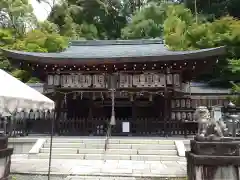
x: 91, y: 117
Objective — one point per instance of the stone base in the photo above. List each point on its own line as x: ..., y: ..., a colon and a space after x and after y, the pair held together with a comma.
x: 215, y: 160
x: 5, y: 158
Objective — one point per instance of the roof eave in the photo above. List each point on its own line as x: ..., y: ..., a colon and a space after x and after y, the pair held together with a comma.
x: 38, y: 58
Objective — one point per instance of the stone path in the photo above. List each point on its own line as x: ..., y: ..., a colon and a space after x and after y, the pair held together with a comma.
x: 121, y: 168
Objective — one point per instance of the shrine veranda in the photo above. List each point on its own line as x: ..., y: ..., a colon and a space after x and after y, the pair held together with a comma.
x: 151, y: 86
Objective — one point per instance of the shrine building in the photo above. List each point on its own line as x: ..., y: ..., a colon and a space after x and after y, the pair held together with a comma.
x: 145, y: 86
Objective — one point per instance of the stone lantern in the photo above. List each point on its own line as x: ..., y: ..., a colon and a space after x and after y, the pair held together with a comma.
x: 214, y: 156
x: 232, y: 119
x: 5, y: 155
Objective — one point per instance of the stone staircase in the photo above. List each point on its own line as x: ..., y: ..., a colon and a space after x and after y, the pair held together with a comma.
x: 118, y: 149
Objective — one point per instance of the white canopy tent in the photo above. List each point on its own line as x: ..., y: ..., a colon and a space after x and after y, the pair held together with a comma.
x: 16, y: 96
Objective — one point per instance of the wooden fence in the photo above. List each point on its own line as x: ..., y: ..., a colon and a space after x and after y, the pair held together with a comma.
x: 98, y: 126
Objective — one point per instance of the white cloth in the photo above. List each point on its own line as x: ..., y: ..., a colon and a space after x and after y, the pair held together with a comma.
x: 16, y: 96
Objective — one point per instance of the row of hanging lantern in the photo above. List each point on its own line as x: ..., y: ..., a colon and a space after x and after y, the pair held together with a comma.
x: 183, y: 103
x: 34, y: 115
x: 146, y: 79
x: 182, y: 116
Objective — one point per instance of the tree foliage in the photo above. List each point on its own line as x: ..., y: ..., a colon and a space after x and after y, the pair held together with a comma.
x: 17, y: 15
x: 182, y: 32
x: 146, y: 23
x: 214, y: 9
x: 236, y: 93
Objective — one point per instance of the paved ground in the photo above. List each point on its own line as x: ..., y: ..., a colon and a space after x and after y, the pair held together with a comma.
x: 30, y: 177
x: 20, y: 164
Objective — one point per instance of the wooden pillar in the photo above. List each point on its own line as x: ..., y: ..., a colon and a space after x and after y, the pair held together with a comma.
x: 166, y: 104
x: 166, y: 113
x: 134, y: 117
x: 160, y: 108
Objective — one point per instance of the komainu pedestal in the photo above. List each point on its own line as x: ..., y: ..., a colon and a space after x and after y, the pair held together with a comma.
x: 5, y: 158
x: 214, y: 160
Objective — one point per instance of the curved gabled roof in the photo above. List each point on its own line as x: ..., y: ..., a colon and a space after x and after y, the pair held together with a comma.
x: 116, y: 51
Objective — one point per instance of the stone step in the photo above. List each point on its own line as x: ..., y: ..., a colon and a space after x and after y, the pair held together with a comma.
x: 114, y: 141
x: 113, y: 146
x: 109, y: 151
x: 101, y: 178
x: 107, y: 157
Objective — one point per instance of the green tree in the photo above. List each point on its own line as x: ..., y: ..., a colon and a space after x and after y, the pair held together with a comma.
x: 214, y: 9
x: 18, y: 15
x: 236, y: 93
x: 48, y: 27
x: 176, y: 26
x: 95, y: 19
x: 146, y: 23
x: 33, y: 41
x: 6, y: 40
x: 181, y: 32
x: 38, y: 41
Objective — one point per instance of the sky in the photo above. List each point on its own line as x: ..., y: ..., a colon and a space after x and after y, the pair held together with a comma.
x: 41, y: 10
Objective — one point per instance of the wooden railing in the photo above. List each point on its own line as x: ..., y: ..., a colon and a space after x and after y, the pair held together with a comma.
x: 98, y: 127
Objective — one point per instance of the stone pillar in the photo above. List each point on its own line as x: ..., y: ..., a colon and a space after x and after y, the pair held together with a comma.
x: 5, y: 158
x: 213, y: 160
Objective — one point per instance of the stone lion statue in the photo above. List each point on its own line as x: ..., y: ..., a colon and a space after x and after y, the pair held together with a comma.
x: 202, y: 115
x: 208, y: 128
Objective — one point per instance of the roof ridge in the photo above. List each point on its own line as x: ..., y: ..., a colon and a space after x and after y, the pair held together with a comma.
x: 114, y: 42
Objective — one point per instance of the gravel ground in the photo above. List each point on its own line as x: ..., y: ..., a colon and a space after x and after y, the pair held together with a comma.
x: 32, y: 177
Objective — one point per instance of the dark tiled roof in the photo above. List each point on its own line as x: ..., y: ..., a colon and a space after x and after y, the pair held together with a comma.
x: 37, y: 86
x: 202, y: 88
x: 107, y: 49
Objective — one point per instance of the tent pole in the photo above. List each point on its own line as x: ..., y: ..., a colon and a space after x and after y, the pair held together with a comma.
x: 51, y: 139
